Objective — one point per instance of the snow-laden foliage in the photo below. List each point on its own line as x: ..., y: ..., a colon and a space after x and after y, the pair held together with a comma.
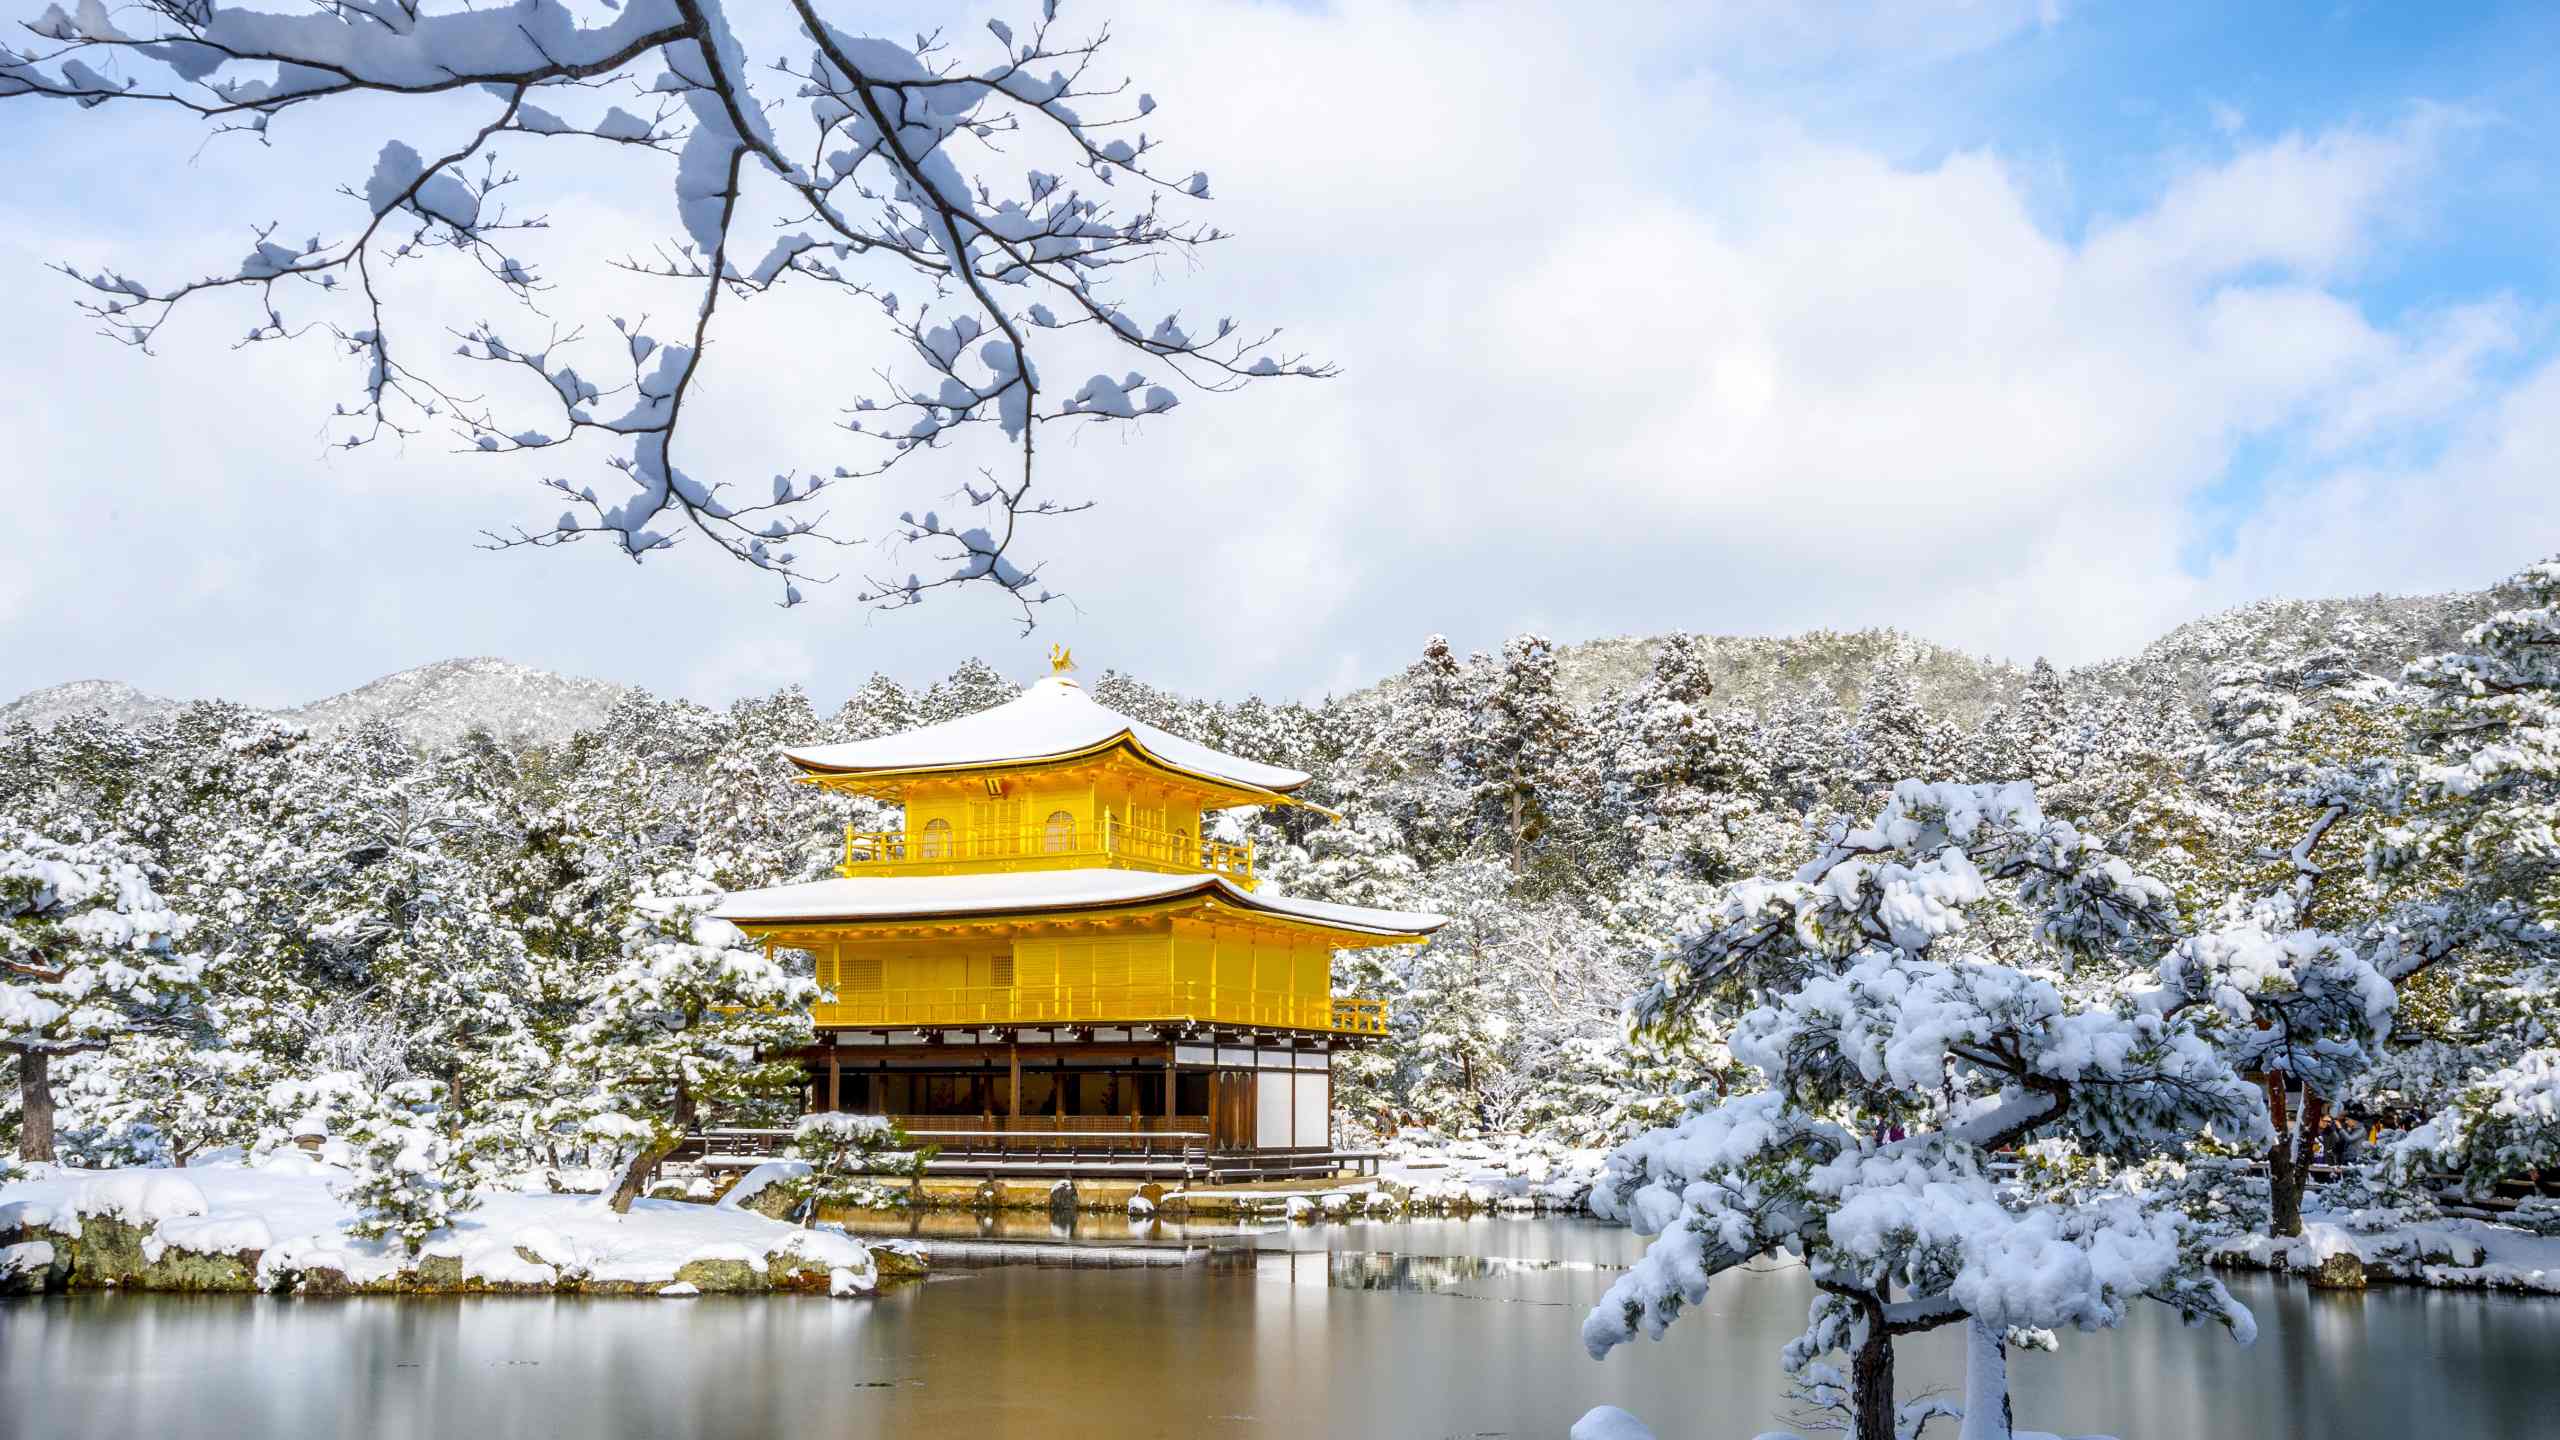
x: 448, y: 909
x: 852, y: 1160
x: 973, y: 198
x: 688, y: 1017
x: 1898, y: 1059
x: 87, y: 960
x: 2503, y: 1125
x: 410, y: 1175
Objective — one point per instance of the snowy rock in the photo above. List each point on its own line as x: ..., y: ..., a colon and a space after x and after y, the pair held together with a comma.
x: 1608, y: 1422
x: 2342, y: 1270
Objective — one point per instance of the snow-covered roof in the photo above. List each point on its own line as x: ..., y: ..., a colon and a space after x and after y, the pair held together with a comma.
x: 1052, y: 719
x: 898, y: 897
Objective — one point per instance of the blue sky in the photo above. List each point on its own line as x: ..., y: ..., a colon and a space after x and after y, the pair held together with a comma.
x: 2031, y: 328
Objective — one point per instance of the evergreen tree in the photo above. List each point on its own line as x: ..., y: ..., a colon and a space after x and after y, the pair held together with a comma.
x: 1873, y: 1011
x: 683, y: 1022
x: 409, y: 1177
x: 1519, y: 749
x: 87, y: 962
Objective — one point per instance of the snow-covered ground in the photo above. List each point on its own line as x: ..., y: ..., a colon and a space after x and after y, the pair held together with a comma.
x: 2448, y: 1254
x: 281, y: 1217
x: 1507, y: 1172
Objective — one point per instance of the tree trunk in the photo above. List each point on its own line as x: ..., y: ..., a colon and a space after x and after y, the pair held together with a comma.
x: 635, y: 1176
x: 2288, y: 1159
x: 1986, y: 1382
x: 1517, y: 827
x: 35, y: 1105
x: 1871, y: 1385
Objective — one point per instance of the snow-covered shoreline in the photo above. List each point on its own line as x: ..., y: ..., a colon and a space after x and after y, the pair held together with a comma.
x: 275, y: 1226
x: 2448, y: 1254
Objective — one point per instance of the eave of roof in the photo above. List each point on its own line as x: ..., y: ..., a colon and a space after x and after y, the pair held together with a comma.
x: 921, y: 899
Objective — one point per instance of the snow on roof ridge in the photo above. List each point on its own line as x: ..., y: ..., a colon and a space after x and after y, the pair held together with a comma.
x: 898, y: 896
x: 1052, y: 716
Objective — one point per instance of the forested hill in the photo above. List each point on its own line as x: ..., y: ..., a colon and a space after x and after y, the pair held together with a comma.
x: 435, y: 704
x: 2382, y: 633
x: 355, y: 870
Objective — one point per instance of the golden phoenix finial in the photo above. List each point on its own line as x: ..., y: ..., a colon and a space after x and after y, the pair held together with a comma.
x: 1061, y: 660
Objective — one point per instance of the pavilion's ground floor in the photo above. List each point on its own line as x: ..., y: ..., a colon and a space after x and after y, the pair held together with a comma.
x: 1099, y: 1088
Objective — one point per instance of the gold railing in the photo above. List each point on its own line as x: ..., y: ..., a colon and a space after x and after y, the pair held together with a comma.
x: 874, y: 852
x: 1145, y: 1002
x: 1359, y: 1017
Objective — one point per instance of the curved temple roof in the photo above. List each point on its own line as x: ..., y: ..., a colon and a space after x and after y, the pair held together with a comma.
x: 1053, y: 719
x: 819, y: 902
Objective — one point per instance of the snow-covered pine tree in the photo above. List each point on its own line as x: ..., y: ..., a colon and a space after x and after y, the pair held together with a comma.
x: 1896, y: 738
x: 2503, y: 1125
x: 881, y: 706
x: 1687, y: 785
x: 687, y: 1019
x: 87, y: 961
x: 1516, y: 753
x: 1869, y: 1008
x: 851, y: 1159
x: 2482, y: 811
x: 164, y: 1099
x: 972, y: 686
x: 411, y: 1174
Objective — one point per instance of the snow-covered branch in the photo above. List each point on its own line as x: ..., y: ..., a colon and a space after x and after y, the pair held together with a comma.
x: 897, y: 166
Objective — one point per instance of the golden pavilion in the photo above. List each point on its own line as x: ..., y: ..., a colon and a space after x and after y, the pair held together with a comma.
x: 1051, y: 957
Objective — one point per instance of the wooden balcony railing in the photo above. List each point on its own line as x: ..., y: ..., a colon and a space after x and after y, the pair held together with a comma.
x: 1145, y: 1002
x: 1114, y: 842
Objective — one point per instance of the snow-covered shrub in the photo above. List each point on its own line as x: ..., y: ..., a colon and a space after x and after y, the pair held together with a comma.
x: 161, y: 1101
x: 2504, y: 1124
x: 410, y: 1177
x: 2537, y: 1213
x: 852, y: 1159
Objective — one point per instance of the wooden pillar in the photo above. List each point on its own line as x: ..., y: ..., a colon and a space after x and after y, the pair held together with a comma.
x: 1013, y: 1067
x: 835, y: 1079
x: 1168, y: 1085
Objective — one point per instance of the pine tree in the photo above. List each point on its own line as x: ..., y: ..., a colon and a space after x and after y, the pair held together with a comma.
x: 687, y: 1020
x: 410, y: 1176
x: 1870, y: 1009
x: 881, y: 707
x: 1896, y: 739
x: 1518, y: 750
x: 87, y: 961
x: 972, y: 686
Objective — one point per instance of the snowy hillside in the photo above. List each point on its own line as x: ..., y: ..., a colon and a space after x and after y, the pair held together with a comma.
x: 433, y: 704
x: 430, y: 705
x: 114, y: 698
x: 2383, y: 632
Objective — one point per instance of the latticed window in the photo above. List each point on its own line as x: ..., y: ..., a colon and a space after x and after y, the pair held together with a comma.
x: 1000, y: 970
x: 1060, y: 836
x: 936, y: 844
x: 1184, y: 852
x: 860, y: 970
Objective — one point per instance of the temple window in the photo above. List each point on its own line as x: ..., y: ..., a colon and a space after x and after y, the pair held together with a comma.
x: 937, y: 840
x: 1060, y: 836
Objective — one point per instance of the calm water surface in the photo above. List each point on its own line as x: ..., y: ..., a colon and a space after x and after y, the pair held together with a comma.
x: 1417, y: 1329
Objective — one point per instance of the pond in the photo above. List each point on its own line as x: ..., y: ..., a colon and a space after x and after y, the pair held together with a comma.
x: 1423, y: 1328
